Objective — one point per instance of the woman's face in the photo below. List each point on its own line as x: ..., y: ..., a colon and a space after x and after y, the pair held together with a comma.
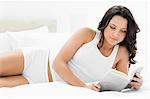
x: 115, y: 31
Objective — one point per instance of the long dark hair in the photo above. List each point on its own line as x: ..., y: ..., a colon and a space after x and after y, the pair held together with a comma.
x: 132, y: 28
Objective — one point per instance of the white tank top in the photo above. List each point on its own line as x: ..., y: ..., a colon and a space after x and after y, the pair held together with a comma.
x: 88, y: 63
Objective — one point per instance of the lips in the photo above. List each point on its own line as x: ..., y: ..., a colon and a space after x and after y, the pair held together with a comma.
x: 114, y: 39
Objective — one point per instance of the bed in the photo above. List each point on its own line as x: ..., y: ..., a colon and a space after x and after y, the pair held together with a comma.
x: 58, y: 89
x: 26, y: 26
x: 41, y: 38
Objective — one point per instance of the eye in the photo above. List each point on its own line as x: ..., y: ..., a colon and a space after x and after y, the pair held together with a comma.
x: 124, y: 31
x: 112, y: 27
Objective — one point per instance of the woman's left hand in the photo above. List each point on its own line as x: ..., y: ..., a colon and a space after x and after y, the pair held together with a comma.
x: 136, y: 82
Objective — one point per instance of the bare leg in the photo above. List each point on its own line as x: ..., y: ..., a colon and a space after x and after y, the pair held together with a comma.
x: 12, y: 81
x: 11, y: 67
x: 11, y: 63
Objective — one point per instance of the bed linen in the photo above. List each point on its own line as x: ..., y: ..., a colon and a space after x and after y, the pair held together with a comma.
x: 58, y: 89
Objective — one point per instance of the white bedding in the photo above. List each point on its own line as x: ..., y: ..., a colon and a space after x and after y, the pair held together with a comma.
x: 57, y: 89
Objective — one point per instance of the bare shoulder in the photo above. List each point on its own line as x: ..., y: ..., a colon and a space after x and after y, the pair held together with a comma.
x: 122, y: 54
x: 87, y: 33
x: 79, y: 38
x: 123, y: 51
x: 122, y: 60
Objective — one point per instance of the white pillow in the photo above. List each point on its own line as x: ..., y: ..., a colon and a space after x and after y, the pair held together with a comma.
x: 25, y: 38
x: 5, y: 43
x: 52, y: 41
x: 42, y: 29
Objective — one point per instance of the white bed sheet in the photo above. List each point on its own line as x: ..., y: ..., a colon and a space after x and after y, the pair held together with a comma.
x: 57, y: 90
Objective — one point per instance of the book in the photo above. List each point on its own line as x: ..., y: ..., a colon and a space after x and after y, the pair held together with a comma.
x: 117, y: 81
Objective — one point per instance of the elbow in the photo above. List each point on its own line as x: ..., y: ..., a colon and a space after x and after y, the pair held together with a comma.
x: 57, y: 65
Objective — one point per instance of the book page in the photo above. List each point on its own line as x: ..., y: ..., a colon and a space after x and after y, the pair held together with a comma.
x: 114, y: 80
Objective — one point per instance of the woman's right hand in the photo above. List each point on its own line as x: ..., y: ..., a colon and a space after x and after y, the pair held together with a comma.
x: 93, y: 85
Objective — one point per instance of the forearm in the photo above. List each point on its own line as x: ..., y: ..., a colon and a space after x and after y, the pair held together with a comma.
x: 66, y: 74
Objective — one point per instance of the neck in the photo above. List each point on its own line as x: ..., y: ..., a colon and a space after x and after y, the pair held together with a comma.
x: 106, y: 49
x: 105, y: 46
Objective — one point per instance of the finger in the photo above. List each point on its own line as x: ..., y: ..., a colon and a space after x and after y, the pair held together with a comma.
x: 135, y: 84
x: 137, y: 80
x: 136, y: 87
x: 95, y: 88
x: 138, y: 75
x: 98, y: 85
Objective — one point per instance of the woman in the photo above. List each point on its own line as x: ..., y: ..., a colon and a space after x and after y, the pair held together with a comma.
x: 89, y: 54
x: 83, y: 59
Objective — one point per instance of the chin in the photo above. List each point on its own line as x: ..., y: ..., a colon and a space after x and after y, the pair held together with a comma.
x: 113, y: 43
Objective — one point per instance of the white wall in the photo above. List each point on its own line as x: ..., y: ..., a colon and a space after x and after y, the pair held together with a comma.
x: 147, y: 37
x: 72, y: 15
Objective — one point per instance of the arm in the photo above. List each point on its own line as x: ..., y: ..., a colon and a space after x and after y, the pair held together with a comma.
x: 60, y: 63
x: 123, y: 60
x: 122, y: 66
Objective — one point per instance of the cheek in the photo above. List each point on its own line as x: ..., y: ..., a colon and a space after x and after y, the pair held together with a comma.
x: 107, y: 32
x: 124, y: 35
x: 106, y: 35
x: 122, y: 38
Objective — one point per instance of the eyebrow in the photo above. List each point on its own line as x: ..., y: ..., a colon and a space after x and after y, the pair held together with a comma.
x: 116, y: 26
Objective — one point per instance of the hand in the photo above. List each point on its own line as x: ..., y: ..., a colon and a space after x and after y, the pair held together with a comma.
x: 136, y: 82
x: 93, y: 85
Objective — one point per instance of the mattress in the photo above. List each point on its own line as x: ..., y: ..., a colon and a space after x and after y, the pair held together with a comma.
x: 61, y: 90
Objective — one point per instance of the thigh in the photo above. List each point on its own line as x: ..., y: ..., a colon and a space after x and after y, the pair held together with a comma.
x: 11, y: 63
x: 12, y: 81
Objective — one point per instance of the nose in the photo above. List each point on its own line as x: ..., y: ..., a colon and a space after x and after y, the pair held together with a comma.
x: 116, y: 34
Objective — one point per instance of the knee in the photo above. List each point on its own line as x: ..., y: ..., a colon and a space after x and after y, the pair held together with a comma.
x: 1, y: 72
x: 1, y: 68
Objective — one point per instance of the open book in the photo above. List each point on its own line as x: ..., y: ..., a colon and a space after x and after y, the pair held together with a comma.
x: 116, y: 81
